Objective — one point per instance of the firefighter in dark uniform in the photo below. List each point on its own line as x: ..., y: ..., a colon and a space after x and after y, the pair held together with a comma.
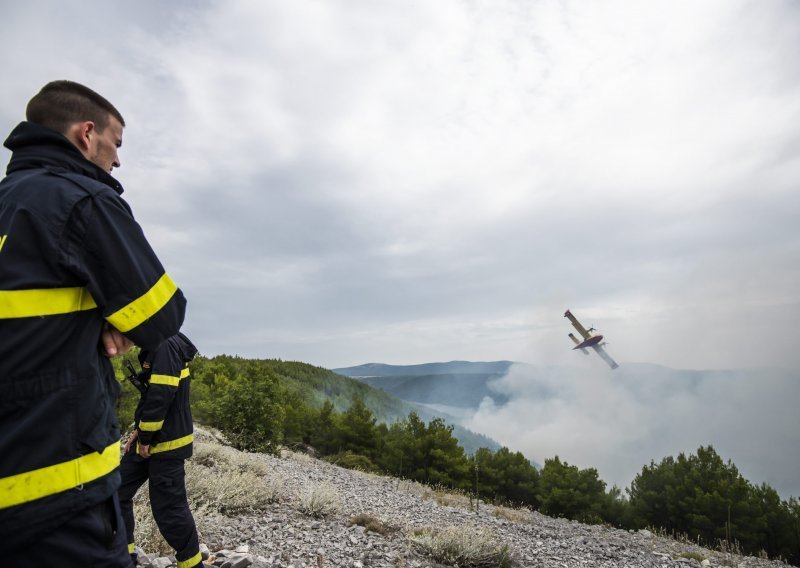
x: 161, y: 441
x: 76, y: 273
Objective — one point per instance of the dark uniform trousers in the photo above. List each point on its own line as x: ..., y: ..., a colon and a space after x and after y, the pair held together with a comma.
x: 167, y: 499
x: 94, y: 538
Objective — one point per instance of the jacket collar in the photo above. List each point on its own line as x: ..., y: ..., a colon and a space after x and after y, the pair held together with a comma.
x: 36, y: 146
x: 187, y: 347
x: 179, y: 342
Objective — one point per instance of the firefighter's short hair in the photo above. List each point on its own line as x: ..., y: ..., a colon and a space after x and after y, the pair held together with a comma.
x: 61, y: 104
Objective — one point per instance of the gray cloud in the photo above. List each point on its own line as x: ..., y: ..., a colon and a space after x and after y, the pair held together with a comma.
x: 369, y: 175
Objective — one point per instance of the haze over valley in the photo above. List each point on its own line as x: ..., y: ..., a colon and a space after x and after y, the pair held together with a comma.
x: 616, y: 421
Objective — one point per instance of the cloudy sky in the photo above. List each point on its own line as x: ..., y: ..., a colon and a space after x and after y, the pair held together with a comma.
x: 407, y: 182
x: 413, y: 181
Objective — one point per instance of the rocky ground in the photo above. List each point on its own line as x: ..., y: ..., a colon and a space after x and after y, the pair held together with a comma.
x: 284, y: 536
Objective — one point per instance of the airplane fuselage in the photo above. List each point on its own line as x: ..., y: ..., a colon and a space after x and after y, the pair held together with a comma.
x: 589, y: 342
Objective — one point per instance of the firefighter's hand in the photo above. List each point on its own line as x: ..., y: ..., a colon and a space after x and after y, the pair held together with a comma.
x: 130, y: 442
x: 113, y: 342
x: 144, y: 451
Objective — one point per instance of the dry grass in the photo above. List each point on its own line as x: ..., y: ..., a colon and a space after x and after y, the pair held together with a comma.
x: 225, y: 458
x: 298, y: 457
x: 224, y: 480
x: 691, y: 556
x: 452, y: 498
x: 726, y: 552
x: 372, y: 523
x: 462, y: 546
x: 210, y: 454
x: 413, y: 488
x: 320, y: 500
x: 219, y: 480
x: 230, y: 492
x: 444, y: 496
x: 514, y: 515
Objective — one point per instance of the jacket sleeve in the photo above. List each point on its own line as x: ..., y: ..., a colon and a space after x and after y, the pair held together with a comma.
x: 125, y: 277
x: 167, y: 371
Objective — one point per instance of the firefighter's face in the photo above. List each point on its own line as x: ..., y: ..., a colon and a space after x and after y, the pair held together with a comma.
x: 103, y: 146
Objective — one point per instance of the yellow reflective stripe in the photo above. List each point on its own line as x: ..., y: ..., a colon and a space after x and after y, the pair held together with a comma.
x: 193, y: 561
x: 44, y: 302
x: 172, y: 444
x: 144, y: 307
x: 130, y: 548
x: 169, y: 379
x: 164, y: 380
x: 150, y: 426
x: 38, y: 483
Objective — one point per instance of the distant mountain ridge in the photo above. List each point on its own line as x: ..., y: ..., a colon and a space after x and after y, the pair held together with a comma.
x: 461, y: 384
x: 452, y: 367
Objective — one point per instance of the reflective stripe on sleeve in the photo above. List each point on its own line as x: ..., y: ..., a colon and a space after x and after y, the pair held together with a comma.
x: 44, y: 302
x: 172, y: 444
x: 38, y: 483
x: 169, y: 379
x: 144, y: 307
x: 131, y: 547
x: 150, y: 426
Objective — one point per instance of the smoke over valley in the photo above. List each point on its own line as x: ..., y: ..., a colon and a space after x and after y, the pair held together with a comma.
x: 616, y: 421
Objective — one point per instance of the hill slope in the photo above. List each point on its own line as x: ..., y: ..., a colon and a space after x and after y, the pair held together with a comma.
x: 316, y: 385
x: 279, y: 533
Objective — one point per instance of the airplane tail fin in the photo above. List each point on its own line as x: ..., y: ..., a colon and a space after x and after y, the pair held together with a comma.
x: 577, y: 342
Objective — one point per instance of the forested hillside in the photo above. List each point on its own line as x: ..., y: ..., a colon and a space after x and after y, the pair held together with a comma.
x: 301, y: 387
x: 263, y: 404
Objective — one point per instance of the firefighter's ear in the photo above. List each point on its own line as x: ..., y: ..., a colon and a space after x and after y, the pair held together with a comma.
x: 81, y: 134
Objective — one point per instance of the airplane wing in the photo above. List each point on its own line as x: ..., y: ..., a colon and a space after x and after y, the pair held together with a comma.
x: 582, y: 330
x: 605, y: 356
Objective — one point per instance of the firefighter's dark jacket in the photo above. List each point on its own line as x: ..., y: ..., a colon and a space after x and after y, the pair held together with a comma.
x: 72, y: 259
x: 164, y: 415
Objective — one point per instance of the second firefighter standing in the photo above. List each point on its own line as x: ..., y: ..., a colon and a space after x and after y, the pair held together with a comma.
x: 161, y: 442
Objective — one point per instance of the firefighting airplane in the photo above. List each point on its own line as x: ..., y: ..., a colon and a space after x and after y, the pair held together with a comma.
x: 589, y: 340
